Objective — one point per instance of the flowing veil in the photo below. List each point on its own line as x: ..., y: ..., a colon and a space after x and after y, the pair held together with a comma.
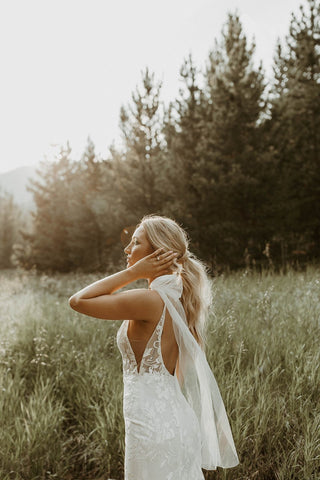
x: 197, y: 381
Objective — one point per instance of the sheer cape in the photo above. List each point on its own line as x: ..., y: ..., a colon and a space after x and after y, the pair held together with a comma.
x: 197, y: 381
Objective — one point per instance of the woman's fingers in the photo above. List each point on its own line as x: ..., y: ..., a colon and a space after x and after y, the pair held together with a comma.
x: 163, y: 259
x: 167, y: 258
x: 156, y: 253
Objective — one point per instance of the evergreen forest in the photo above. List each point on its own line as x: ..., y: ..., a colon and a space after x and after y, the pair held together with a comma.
x: 235, y: 159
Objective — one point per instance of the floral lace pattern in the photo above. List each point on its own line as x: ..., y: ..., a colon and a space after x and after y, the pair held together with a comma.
x: 163, y: 440
x: 151, y: 361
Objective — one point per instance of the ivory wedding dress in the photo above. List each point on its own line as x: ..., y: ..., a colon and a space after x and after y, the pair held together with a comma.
x: 172, y: 430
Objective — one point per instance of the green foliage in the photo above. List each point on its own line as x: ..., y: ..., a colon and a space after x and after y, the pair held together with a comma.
x: 232, y: 170
x: 95, y: 216
x: 235, y: 163
x: 59, y: 376
x: 294, y: 132
x: 76, y: 223
x: 10, y: 221
x: 48, y: 248
x: 61, y: 383
x: 180, y: 175
x: 138, y: 166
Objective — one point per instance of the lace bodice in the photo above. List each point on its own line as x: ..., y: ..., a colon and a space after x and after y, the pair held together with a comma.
x: 151, y: 361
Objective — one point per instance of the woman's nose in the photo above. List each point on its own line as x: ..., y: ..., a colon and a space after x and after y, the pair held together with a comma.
x: 127, y: 249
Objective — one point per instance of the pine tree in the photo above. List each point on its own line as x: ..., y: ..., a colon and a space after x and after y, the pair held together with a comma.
x: 295, y: 131
x: 85, y: 238
x: 182, y: 130
x: 10, y: 218
x: 98, y: 211
x: 47, y: 246
x: 232, y: 170
x: 138, y: 165
x: 78, y: 221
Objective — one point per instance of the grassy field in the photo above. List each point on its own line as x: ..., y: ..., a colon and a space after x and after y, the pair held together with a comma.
x: 61, y: 383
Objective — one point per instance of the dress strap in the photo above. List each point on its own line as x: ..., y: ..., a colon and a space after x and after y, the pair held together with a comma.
x: 158, y: 330
x: 162, y: 318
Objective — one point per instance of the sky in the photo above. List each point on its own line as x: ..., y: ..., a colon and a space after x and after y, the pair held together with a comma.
x: 67, y: 66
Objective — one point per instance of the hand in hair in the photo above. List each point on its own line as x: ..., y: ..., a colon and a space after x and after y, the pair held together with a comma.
x: 153, y: 265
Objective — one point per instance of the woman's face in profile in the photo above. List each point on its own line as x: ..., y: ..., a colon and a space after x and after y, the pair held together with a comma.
x: 138, y: 248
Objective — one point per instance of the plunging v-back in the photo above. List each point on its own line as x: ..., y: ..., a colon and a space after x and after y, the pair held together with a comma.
x: 149, y: 341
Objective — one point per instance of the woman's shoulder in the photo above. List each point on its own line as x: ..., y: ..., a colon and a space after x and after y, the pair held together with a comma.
x: 143, y: 301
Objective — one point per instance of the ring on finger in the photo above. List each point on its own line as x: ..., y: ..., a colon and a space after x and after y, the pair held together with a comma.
x: 158, y: 258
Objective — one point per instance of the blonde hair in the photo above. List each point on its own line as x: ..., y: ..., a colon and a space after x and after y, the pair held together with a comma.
x: 163, y: 232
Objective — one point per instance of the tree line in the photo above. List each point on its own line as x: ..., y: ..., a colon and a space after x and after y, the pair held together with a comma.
x: 234, y: 159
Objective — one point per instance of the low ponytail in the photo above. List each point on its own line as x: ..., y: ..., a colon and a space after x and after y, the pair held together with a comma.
x: 197, y: 295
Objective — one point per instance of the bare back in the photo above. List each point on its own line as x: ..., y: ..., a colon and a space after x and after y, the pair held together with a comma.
x: 139, y: 333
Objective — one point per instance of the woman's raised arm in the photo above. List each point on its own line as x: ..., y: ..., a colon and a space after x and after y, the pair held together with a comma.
x: 98, y: 299
x: 139, y: 304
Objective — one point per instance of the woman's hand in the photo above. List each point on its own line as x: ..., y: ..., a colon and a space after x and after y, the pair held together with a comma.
x: 154, y: 265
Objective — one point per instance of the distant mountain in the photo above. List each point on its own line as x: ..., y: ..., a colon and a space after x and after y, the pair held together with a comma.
x: 15, y: 182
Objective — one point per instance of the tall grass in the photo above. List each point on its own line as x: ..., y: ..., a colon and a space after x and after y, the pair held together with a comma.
x: 61, y: 384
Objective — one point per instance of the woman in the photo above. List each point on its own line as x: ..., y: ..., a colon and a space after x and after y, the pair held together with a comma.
x: 175, y: 419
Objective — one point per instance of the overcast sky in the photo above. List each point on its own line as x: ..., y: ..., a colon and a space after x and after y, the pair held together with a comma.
x: 68, y: 65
